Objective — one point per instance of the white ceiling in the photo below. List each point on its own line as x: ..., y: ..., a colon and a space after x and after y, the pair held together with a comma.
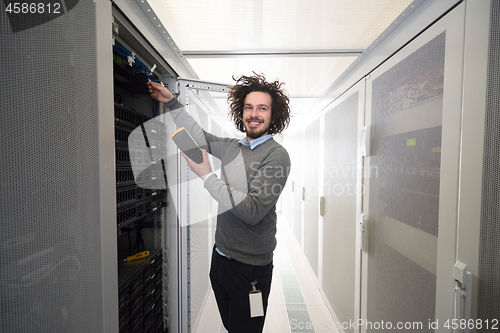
x: 320, y: 39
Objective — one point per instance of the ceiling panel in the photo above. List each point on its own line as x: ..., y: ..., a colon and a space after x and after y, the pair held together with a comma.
x: 303, y: 76
x: 276, y: 25
x: 253, y: 26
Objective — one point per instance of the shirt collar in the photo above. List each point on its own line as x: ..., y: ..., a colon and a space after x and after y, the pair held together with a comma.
x: 255, y: 142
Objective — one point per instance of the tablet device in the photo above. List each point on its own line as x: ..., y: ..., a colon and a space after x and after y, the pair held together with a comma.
x: 186, y: 144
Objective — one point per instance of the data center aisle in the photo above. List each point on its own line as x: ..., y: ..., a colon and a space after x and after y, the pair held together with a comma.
x: 295, y: 303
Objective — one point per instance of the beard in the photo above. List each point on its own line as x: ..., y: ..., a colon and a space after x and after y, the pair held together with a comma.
x: 255, y: 133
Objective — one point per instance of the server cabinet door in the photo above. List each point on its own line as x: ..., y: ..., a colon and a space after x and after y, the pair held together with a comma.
x: 311, y: 218
x: 297, y: 173
x: 58, y: 231
x: 342, y: 190
x: 411, y: 182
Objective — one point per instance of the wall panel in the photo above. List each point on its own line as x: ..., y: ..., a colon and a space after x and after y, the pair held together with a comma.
x: 340, y: 189
x: 311, y: 185
x: 297, y: 162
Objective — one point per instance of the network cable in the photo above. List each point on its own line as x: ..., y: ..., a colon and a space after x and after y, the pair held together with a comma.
x: 136, y: 65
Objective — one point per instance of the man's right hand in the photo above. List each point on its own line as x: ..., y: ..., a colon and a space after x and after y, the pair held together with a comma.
x: 159, y: 92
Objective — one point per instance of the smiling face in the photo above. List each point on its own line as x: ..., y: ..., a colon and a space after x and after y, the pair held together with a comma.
x: 257, y: 114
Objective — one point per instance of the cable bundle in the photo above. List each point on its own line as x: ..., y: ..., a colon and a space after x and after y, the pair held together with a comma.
x: 136, y: 65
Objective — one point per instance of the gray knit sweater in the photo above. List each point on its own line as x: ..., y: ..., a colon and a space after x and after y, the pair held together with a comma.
x: 252, y: 180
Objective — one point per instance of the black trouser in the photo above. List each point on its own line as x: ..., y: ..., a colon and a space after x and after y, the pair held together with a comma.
x: 231, y: 284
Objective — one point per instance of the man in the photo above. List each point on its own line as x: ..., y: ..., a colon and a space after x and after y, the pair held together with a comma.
x: 254, y: 172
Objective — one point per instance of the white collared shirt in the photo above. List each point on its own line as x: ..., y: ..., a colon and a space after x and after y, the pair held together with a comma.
x: 255, y: 142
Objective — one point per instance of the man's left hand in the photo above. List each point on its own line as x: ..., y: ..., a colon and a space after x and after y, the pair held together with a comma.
x: 202, y: 169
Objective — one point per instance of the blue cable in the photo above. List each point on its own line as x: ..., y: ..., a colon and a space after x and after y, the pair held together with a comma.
x: 137, y: 66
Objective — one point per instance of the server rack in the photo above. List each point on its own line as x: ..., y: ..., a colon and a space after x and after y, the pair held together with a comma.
x: 140, y: 198
x: 140, y: 293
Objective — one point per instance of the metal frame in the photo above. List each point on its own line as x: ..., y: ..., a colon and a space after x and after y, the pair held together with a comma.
x: 172, y: 237
x: 302, y: 190
x: 472, y: 135
x: 321, y: 176
x: 280, y: 53
x: 183, y: 218
x: 450, y: 157
x: 142, y: 16
x: 184, y: 85
x: 365, y: 199
x: 359, y: 198
x: 107, y: 183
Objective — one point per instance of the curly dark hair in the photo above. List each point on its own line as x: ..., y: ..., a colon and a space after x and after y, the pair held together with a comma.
x: 280, y: 107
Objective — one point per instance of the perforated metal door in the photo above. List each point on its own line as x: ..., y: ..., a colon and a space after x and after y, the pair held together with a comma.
x: 50, y: 229
x: 489, y: 255
x: 404, y: 178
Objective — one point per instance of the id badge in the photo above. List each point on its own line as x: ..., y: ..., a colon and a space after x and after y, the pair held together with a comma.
x: 256, y: 304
